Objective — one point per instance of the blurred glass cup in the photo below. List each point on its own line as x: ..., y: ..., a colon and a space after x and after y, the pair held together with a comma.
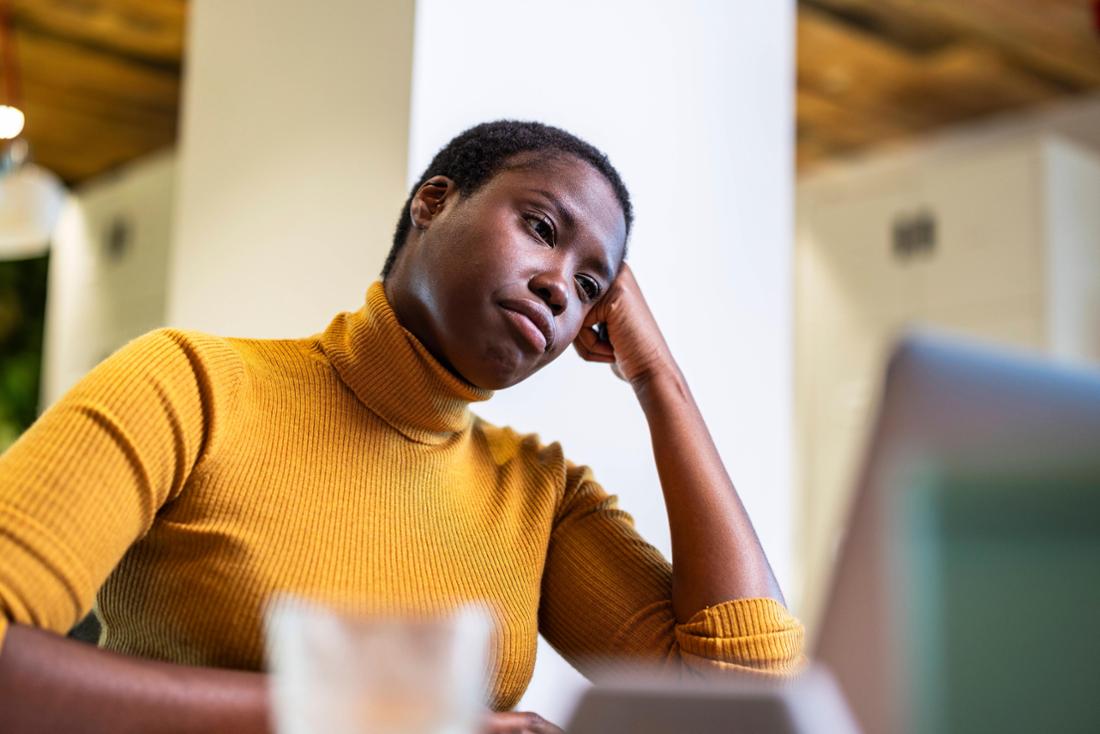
x: 335, y: 673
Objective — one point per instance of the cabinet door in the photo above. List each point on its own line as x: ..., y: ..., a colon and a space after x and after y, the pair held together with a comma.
x: 987, y: 252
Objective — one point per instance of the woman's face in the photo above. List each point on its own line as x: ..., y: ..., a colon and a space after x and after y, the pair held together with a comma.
x: 498, y: 284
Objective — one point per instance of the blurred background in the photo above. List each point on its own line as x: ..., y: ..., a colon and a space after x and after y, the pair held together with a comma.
x: 809, y: 179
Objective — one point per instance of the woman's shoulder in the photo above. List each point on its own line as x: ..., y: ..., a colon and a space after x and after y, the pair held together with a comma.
x: 170, y: 349
x: 507, y: 444
x: 221, y: 357
x: 216, y: 365
x: 541, y: 462
x: 171, y: 362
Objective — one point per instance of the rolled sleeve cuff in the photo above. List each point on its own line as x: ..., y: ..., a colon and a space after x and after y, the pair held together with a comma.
x: 750, y: 635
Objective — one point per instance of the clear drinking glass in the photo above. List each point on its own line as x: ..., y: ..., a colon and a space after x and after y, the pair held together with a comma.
x: 336, y: 673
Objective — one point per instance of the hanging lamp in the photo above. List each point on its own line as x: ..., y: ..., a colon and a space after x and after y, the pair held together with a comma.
x: 31, y: 197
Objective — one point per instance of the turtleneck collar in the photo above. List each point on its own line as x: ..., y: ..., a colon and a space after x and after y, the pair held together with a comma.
x: 394, y: 375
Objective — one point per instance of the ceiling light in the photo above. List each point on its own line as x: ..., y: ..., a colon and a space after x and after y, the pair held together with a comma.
x: 11, y: 121
x: 30, y: 202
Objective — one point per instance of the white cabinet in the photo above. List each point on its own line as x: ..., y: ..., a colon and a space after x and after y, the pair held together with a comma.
x: 1010, y: 252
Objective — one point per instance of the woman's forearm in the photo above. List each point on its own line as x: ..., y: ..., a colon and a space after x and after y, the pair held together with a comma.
x: 49, y: 684
x: 716, y: 555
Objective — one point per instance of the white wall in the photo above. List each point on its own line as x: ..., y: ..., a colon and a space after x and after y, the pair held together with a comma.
x: 294, y: 136
x: 101, y: 296
x: 693, y: 103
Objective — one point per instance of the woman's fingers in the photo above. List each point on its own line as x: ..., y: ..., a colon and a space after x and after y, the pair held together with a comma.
x: 518, y: 722
x: 639, y: 348
x: 590, y: 356
x: 590, y: 347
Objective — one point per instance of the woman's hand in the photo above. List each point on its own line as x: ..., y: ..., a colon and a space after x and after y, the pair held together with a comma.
x: 637, y: 351
x: 518, y: 722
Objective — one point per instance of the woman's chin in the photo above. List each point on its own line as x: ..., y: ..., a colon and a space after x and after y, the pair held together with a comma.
x: 499, y: 369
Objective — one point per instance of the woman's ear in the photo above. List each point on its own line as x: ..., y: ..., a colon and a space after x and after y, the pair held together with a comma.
x: 429, y: 200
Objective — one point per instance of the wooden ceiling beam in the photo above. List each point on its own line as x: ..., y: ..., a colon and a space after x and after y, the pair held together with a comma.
x: 1054, y: 38
x: 147, y: 31
x: 87, y: 122
x: 914, y: 34
x: 856, y: 89
x: 976, y: 80
x: 72, y: 69
x: 860, y: 72
x: 819, y: 115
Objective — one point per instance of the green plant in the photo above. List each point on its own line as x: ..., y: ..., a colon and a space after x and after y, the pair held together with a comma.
x: 22, y: 322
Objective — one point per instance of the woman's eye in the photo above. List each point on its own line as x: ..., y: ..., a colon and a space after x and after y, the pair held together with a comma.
x: 590, y: 287
x: 543, y: 228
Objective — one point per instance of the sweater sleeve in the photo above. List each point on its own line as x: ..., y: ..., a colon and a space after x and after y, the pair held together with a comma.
x: 607, y: 597
x: 86, y: 480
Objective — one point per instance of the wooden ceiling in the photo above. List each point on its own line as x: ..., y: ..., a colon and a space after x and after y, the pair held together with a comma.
x: 874, y: 71
x: 101, y: 78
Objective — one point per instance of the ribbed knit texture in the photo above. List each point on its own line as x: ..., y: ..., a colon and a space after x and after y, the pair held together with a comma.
x: 189, y: 477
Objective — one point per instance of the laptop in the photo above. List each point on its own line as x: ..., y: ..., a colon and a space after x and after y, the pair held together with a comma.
x: 967, y: 588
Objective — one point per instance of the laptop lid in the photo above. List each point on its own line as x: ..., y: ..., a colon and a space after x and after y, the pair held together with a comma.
x: 980, y: 480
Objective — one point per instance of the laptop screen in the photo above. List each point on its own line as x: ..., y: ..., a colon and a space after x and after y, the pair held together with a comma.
x: 1002, y: 585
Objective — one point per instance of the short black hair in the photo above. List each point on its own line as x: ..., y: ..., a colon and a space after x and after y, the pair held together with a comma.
x: 476, y: 155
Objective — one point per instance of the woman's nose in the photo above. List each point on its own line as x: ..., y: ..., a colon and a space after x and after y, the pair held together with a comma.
x: 551, y: 288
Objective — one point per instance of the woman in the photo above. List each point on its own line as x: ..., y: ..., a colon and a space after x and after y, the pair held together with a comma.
x: 189, y: 477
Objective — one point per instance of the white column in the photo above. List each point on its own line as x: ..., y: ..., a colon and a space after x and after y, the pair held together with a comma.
x: 294, y: 143
x: 297, y: 149
x: 693, y: 101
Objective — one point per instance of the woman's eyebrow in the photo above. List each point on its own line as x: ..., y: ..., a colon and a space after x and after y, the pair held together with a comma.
x: 604, y: 268
x: 564, y: 213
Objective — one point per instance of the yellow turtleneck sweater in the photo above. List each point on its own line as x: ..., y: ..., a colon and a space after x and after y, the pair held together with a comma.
x: 189, y: 477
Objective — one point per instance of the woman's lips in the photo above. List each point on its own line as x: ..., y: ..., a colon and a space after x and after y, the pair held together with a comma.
x: 532, y: 323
